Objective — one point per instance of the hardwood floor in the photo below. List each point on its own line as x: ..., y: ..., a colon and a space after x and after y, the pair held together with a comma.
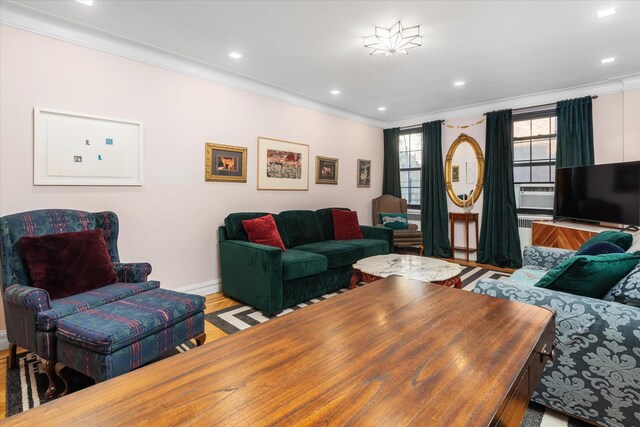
x: 215, y: 302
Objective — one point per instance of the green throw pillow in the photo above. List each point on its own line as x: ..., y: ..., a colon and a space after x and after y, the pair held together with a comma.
x: 624, y: 240
x: 397, y: 221
x: 587, y: 275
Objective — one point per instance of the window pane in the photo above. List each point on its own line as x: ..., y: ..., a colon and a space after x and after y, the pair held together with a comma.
x: 404, y: 159
x: 540, y: 126
x: 405, y: 193
x: 404, y: 143
x: 553, y: 124
x: 521, y: 151
x: 414, y: 178
x: 415, y: 159
x: 540, y: 174
x: 404, y: 178
x: 522, y: 128
x: 553, y: 148
x: 521, y: 174
x: 540, y: 149
x: 553, y: 173
x: 415, y: 196
x: 416, y: 141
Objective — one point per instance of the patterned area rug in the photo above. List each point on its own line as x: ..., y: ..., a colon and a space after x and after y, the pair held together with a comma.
x: 240, y: 316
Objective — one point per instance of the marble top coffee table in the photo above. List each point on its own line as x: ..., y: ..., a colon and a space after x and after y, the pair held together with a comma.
x: 409, y: 266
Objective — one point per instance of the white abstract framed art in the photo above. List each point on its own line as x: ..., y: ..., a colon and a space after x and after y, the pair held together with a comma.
x: 81, y: 149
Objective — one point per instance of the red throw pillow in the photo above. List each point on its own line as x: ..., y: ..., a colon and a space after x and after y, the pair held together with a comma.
x: 67, y: 264
x: 346, y: 225
x: 263, y: 230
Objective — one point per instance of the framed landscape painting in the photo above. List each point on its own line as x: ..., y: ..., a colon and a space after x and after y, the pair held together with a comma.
x: 326, y: 170
x: 225, y: 163
x: 282, y: 165
x: 364, y: 173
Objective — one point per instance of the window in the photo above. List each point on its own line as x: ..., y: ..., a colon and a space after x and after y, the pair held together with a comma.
x: 534, y: 149
x: 410, y: 164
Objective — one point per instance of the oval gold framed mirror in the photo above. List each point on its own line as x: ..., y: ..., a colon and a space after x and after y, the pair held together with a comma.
x: 464, y: 170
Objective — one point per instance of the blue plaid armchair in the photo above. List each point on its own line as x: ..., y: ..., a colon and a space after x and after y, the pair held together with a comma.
x: 30, y: 314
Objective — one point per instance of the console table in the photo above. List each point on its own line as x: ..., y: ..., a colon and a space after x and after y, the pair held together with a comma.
x: 467, y: 218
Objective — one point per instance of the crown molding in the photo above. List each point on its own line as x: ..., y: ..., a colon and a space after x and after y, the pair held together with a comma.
x: 26, y: 18
x: 613, y: 85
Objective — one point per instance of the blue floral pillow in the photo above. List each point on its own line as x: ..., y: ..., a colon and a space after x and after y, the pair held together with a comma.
x: 396, y: 221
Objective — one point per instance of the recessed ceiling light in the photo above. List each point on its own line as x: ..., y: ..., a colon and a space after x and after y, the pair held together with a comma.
x: 235, y: 55
x: 86, y: 2
x: 459, y: 83
x: 606, y: 12
x: 335, y: 92
x: 382, y: 108
x: 607, y: 60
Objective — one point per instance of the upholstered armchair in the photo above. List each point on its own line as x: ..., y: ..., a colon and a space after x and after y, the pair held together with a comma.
x: 30, y: 314
x: 401, y: 238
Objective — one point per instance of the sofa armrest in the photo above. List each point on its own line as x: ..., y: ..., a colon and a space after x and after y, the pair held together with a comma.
x: 35, y: 299
x: 134, y: 272
x: 597, y: 351
x: 380, y: 233
x: 545, y: 257
x: 252, y: 273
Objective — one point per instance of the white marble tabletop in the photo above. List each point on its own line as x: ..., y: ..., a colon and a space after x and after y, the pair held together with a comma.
x: 409, y: 266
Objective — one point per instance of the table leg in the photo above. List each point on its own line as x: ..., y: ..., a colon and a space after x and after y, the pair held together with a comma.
x: 453, y: 238
x: 466, y: 227
x: 356, y: 278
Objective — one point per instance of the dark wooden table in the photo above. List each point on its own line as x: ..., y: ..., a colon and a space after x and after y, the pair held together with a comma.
x: 394, y: 352
x: 467, y: 218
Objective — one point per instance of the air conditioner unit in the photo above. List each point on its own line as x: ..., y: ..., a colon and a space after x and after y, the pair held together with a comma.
x: 535, y: 196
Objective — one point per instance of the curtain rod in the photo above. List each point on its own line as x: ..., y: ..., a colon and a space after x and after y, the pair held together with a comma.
x: 542, y: 105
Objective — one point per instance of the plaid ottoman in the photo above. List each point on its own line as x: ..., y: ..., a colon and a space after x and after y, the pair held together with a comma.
x: 118, y: 337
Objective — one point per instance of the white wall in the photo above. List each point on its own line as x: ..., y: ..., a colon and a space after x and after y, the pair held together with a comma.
x: 172, y: 220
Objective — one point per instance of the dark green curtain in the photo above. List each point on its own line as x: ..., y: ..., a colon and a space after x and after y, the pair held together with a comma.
x: 433, y: 213
x: 499, y: 240
x: 391, y: 168
x: 575, y: 133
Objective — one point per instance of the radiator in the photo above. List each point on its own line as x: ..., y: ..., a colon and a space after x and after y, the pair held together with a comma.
x: 524, y: 227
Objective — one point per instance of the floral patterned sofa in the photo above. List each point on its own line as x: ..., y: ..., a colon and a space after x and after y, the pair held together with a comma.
x: 596, y: 375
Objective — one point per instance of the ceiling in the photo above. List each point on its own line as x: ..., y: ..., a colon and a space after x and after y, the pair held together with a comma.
x: 501, y: 49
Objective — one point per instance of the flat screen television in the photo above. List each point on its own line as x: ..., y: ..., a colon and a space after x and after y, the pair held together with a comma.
x: 603, y: 193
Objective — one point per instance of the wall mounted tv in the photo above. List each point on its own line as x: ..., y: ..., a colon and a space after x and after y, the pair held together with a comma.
x: 604, y: 193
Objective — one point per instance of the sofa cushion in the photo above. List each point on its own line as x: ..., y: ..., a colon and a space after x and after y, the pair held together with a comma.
x: 301, y: 227
x: 296, y: 264
x: 599, y: 249
x: 66, y: 264
x: 370, y: 247
x: 346, y: 225
x: 263, y: 231
x: 396, y: 221
x: 112, y: 326
x: 338, y: 254
x: 235, y: 230
x: 63, y: 307
x: 590, y: 276
x: 325, y: 216
x: 619, y: 238
x: 627, y: 290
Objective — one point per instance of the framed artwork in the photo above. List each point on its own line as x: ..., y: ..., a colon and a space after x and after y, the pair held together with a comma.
x: 364, y: 173
x: 455, y: 173
x: 81, y: 149
x: 282, y: 165
x: 225, y: 163
x: 472, y: 173
x: 326, y: 170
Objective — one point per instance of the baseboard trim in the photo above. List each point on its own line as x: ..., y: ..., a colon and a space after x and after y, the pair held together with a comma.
x: 202, y: 289
x: 4, y: 344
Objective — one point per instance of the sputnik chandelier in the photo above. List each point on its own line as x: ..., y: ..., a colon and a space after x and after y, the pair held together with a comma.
x: 392, y: 40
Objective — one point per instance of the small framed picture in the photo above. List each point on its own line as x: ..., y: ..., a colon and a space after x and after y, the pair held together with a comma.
x: 326, y: 170
x: 225, y: 163
x: 455, y: 173
x: 364, y: 173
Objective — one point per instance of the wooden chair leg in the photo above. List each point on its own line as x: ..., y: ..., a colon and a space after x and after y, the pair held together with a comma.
x: 49, y: 369
x: 200, y: 339
x: 11, y: 360
x: 62, y: 372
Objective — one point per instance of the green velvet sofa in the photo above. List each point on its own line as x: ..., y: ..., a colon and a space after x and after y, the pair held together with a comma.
x: 313, y: 264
